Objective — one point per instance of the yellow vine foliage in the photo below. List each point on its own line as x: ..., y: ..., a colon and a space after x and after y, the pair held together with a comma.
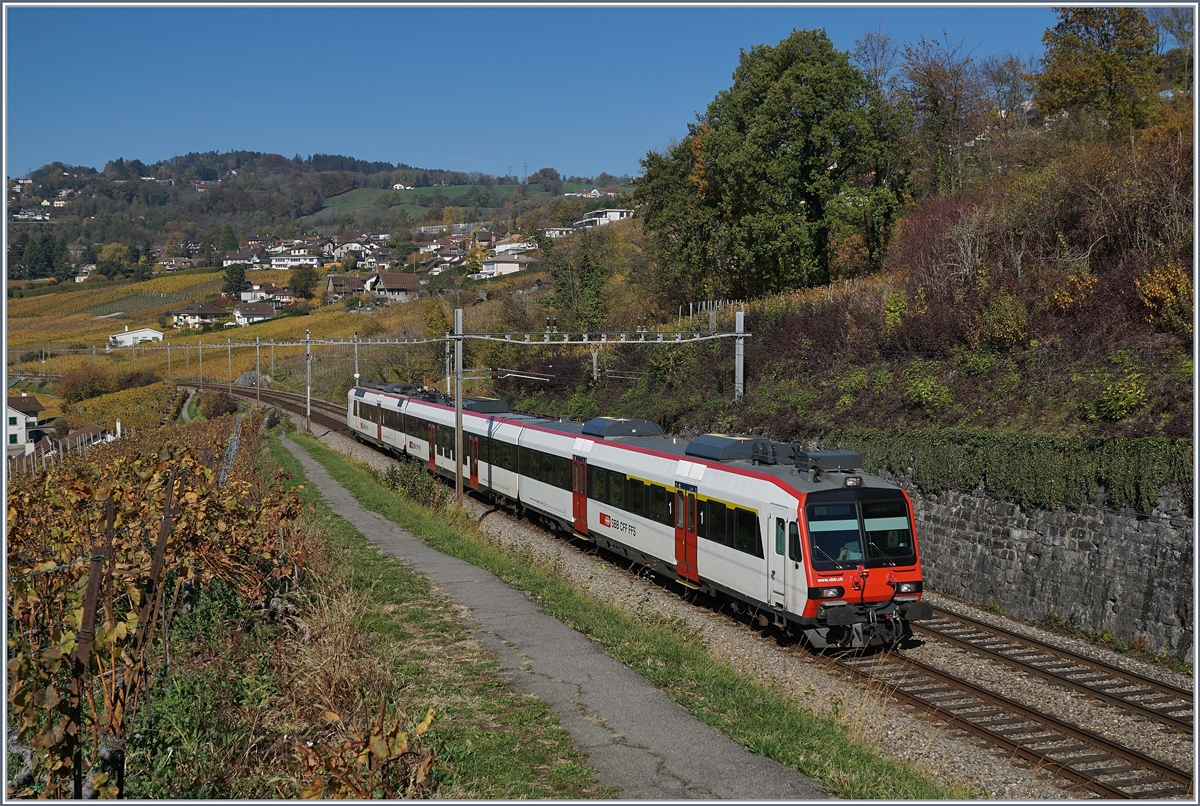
x: 1073, y: 290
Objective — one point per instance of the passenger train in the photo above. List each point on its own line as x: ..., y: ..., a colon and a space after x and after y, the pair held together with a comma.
x: 803, y: 540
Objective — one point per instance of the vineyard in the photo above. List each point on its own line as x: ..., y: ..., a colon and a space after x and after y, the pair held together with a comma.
x: 135, y: 408
x: 105, y: 552
x: 134, y: 303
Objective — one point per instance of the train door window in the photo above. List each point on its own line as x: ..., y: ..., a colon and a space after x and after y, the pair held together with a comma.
x: 780, y: 536
x: 678, y: 510
x: 794, y: 542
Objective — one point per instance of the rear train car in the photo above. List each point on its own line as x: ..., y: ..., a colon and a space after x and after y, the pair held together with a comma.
x: 803, y: 540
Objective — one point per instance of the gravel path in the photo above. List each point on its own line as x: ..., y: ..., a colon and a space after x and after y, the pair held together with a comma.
x: 900, y: 731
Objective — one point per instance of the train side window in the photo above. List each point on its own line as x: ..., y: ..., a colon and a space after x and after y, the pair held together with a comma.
x: 563, y: 466
x: 659, y: 511
x: 597, y: 487
x: 637, y: 497
x: 744, y: 534
x: 717, y: 531
x: 779, y: 536
x: 616, y: 489
x: 794, y: 542
x: 525, y: 464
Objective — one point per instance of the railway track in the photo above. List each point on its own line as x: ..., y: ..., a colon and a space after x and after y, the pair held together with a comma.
x: 1103, y: 767
x: 1154, y: 700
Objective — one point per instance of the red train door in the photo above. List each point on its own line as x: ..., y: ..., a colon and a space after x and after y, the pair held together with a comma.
x: 579, y: 494
x: 685, y: 534
x: 432, y: 437
x: 473, y: 460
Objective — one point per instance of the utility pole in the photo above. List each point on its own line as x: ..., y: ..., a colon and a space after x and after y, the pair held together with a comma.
x: 458, y: 404
x: 229, y: 357
x: 200, y: 350
x: 448, y: 363
x: 257, y: 374
x: 356, y: 358
x: 272, y: 359
x: 740, y: 356
x: 168, y: 360
x: 307, y: 384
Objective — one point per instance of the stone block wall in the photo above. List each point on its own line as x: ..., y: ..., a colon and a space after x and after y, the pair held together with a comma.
x: 1100, y: 569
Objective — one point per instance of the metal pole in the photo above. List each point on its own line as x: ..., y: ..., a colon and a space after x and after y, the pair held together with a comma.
x: 448, y: 362
x: 458, y: 377
x: 307, y: 385
x: 257, y: 374
x: 229, y: 357
x: 272, y: 359
x: 356, y: 358
x: 168, y: 361
x: 200, y: 350
x: 740, y: 361
x: 93, y: 359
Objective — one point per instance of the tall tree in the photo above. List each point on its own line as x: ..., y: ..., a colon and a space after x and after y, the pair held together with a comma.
x: 235, y: 279
x: 1099, y: 62
x: 750, y: 193
x: 228, y: 242
x: 304, y: 281
x: 942, y: 94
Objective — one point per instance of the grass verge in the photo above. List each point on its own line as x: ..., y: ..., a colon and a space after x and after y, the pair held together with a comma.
x: 765, y: 720
x: 489, y: 741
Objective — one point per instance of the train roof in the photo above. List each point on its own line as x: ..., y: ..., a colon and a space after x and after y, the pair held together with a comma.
x: 804, y: 471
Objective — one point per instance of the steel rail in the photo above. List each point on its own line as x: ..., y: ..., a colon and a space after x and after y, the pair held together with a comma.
x: 1022, y: 731
x: 1092, y: 677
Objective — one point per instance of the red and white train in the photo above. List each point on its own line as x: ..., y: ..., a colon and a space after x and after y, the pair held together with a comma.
x: 803, y: 540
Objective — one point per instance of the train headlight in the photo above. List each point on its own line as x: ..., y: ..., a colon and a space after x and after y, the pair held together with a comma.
x: 826, y: 593
x: 909, y: 587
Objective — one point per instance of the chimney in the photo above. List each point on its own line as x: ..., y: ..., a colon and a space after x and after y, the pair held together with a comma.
x: 126, y: 328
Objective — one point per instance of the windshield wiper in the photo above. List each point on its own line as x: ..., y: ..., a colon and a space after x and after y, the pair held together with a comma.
x: 837, y: 564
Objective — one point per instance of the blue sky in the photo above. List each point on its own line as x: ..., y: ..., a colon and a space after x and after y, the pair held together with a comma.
x: 583, y: 90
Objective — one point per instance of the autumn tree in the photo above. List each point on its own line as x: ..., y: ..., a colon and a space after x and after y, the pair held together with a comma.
x: 1099, y: 64
x: 942, y: 94
x: 578, y: 272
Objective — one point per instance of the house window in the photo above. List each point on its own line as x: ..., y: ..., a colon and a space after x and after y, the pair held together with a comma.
x: 12, y: 439
x: 12, y: 420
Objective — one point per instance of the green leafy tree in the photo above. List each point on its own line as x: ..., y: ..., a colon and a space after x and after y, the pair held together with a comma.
x: 1100, y: 62
x: 114, y: 257
x: 578, y: 274
x: 349, y: 263
x: 304, y: 281
x: 235, y: 279
x: 748, y: 197
x: 228, y: 242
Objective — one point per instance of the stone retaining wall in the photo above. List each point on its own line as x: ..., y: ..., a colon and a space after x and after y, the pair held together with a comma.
x: 1096, y: 568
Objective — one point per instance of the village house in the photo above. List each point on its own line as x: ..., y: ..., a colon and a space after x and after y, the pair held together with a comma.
x: 292, y: 261
x: 247, y: 313
x: 504, y: 264
x: 198, y: 314
x: 250, y: 257
x: 339, y: 286
x: 22, y: 429
x: 514, y: 245
x: 393, y: 286
x: 131, y: 337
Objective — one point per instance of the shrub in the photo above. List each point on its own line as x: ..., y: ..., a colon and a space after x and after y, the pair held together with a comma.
x: 216, y: 404
x: 137, y: 379
x: 922, y: 386
x: 1004, y: 321
x: 853, y: 383
x: 1121, y: 397
x: 84, y: 383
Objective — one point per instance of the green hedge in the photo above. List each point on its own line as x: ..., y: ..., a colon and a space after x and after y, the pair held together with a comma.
x: 1032, y: 470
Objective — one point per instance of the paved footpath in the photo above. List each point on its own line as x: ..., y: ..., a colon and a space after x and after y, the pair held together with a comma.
x: 636, y: 737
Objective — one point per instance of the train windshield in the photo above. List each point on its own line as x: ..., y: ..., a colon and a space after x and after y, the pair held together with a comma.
x: 848, y: 533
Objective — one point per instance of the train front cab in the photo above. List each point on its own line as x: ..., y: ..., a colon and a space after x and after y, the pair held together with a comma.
x: 861, y: 564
